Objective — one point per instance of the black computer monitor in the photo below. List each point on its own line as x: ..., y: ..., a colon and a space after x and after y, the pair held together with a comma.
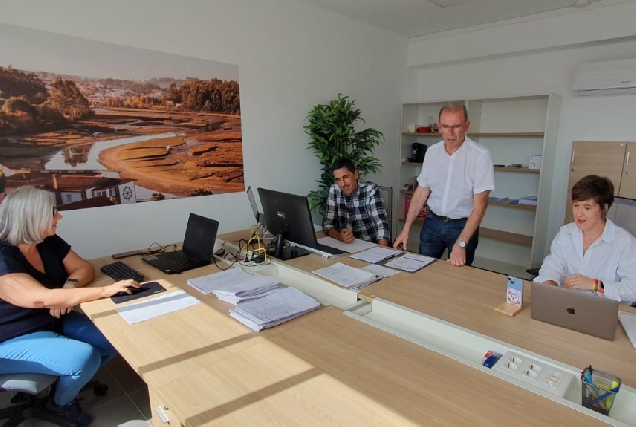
x: 288, y: 214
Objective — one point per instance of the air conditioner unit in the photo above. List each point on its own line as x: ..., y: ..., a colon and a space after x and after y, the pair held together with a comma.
x: 606, y: 78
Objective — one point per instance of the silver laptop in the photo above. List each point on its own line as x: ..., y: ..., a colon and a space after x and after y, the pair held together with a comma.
x: 574, y: 310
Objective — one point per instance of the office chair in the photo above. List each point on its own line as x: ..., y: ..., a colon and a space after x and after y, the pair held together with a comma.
x: 386, y: 194
x: 30, y: 399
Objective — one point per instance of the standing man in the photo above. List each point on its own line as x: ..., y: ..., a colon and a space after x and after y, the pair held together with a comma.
x: 354, y: 209
x: 457, y: 177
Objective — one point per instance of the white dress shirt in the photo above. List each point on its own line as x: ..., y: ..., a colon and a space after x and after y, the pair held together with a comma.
x: 611, y: 259
x: 455, y: 179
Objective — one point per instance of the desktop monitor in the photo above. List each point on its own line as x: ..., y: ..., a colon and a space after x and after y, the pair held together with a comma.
x: 288, y: 214
x: 257, y: 215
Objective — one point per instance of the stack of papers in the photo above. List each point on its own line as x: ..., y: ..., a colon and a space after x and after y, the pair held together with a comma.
x: 410, y: 262
x: 280, y: 306
x: 155, y: 307
x: 210, y: 283
x: 628, y: 321
x: 358, y: 245
x: 376, y: 254
x: 255, y: 287
x: 347, y: 276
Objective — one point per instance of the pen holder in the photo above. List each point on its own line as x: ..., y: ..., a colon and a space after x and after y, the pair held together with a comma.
x: 599, y: 393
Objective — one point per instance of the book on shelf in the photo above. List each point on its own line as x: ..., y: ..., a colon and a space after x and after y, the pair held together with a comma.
x: 497, y: 199
x: 528, y: 200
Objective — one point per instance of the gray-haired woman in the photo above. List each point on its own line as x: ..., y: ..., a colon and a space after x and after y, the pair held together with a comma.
x: 41, y: 279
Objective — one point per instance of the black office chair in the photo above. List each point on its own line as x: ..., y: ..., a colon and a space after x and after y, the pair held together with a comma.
x: 31, y: 396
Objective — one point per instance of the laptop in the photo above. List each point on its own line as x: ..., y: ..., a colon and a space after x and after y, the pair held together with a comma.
x: 197, y: 251
x: 574, y: 310
x: 260, y: 218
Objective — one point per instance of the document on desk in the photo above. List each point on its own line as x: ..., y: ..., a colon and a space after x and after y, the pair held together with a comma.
x: 358, y: 245
x: 155, y: 307
x: 212, y: 282
x: 628, y: 321
x: 410, y: 262
x: 252, y: 288
x: 347, y: 276
x: 380, y: 271
x: 280, y: 306
x: 375, y: 254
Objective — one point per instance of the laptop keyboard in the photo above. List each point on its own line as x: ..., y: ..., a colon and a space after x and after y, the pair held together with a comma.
x: 120, y: 271
x: 181, y: 259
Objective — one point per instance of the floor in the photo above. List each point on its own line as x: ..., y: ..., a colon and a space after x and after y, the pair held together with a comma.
x: 125, y: 404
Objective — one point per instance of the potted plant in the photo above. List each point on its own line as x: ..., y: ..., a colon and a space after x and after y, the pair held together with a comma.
x: 332, y: 135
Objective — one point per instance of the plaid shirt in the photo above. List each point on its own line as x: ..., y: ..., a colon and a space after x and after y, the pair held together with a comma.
x: 363, y: 212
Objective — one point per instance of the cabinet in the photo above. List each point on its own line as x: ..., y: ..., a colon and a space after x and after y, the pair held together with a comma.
x: 614, y: 160
x: 512, y: 236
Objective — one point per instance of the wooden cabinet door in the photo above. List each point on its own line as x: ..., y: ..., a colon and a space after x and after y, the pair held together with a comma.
x: 596, y: 158
x: 628, y: 180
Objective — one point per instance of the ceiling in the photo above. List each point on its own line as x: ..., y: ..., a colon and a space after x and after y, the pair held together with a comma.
x: 413, y: 18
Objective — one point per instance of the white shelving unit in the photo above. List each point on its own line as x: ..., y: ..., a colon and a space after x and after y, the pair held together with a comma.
x: 512, y: 236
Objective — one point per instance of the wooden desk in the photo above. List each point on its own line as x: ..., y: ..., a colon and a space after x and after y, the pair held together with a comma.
x: 467, y: 296
x: 334, y: 370
x: 322, y: 368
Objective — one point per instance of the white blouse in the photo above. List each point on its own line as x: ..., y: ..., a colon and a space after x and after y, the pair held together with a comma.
x: 611, y: 259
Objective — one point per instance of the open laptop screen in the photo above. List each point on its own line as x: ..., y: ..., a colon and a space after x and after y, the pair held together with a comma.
x: 200, y: 237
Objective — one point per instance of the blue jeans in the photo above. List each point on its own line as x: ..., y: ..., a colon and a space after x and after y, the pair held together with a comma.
x: 75, y: 355
x: 438, y: 235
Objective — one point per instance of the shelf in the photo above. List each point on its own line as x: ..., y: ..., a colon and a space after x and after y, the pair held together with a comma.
x: 505, y: 236
x: 517, y: 170
x: 409, y: 192
x: 507, y: 204
x: 411, y: 164
x: 483, y: 134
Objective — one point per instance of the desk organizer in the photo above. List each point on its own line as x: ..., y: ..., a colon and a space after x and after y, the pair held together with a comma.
x: 598, y: 390
x: 535, y: 373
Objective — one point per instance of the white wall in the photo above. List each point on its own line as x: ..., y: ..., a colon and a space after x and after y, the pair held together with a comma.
x: 593, y: 119
x: 291, y: 56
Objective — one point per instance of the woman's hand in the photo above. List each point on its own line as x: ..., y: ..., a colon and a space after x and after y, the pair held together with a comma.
x: 59, y: 311
x: 578, y: 281
x: 117, y: 287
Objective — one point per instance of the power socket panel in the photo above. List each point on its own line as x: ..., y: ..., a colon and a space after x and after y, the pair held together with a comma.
x: 534, y: 372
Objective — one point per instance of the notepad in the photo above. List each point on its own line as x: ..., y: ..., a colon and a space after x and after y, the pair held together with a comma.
x: 628, y: 321
x: 410, y: 262
x: 347, y: 276
x: 376, y: 254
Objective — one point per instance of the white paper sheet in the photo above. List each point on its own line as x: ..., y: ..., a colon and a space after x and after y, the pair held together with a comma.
x: 155, y: 307
x: 380, y: 271
x: 346, y: 275
x: 212, y: 282
x: 358, y: 245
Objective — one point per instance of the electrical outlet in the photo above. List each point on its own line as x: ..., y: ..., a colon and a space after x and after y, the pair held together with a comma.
x: 535, y: 373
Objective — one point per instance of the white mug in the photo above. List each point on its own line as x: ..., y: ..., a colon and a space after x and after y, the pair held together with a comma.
x: 411, y: 128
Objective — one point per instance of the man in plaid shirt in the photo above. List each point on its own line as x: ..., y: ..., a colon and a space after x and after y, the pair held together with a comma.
x: 354, y: 209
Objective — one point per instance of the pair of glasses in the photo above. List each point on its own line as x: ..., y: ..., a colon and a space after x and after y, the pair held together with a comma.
x: 453, y: 128
x: 55, y: 211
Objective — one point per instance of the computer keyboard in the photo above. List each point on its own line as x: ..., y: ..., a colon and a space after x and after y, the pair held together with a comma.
x: 333, y: 251
x: 120, y: 271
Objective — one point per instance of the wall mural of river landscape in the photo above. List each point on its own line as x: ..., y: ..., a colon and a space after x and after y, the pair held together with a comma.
x: 101, y: 124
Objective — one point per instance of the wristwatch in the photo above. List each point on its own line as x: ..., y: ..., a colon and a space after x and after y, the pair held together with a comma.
x: 74, y: 282
x: 461, y: 244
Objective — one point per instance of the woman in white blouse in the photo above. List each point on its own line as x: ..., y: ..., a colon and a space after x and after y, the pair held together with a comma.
x: 592, y: 253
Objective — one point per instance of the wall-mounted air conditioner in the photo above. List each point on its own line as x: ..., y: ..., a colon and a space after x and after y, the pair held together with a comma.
x: 606, y: 78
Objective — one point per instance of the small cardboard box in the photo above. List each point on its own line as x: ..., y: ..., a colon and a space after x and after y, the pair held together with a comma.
x: 407, y: 204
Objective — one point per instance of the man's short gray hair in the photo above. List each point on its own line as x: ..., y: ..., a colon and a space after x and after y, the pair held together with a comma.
x: 25, y: 214
x: 453, y: 107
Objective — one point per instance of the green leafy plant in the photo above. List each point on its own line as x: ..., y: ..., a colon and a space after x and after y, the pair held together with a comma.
x: 332, y: 135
